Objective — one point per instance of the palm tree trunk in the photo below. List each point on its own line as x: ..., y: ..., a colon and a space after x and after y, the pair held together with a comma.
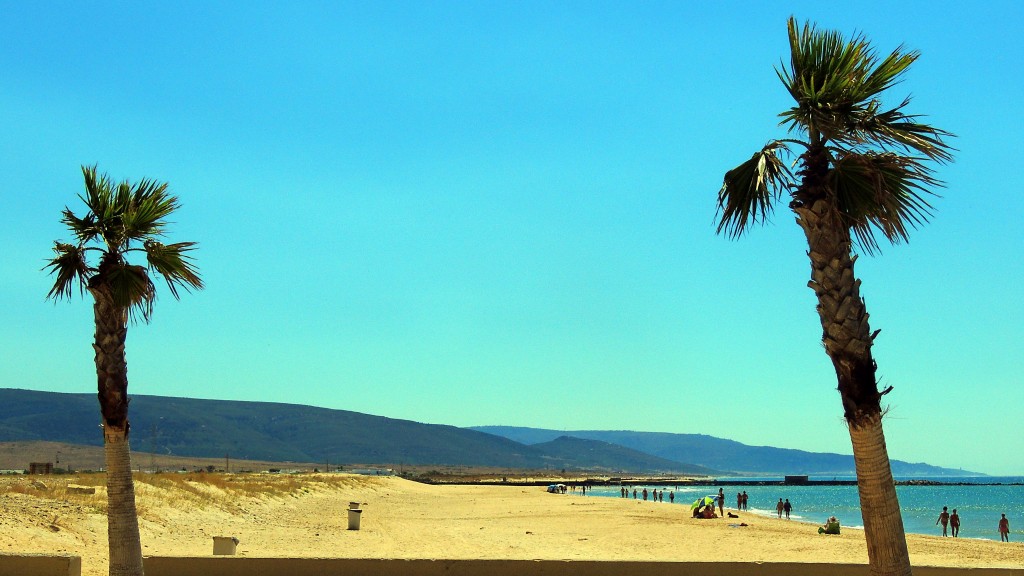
x: 124, y: 543
x: 848, y: 339
x: 880, y: 508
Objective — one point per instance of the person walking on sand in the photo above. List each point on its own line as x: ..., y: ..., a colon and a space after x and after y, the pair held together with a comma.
x: 944, y: 519
x: 1004, y: 529
x: 779, y: 507
x: 788, y: 508
x: 954, y: 523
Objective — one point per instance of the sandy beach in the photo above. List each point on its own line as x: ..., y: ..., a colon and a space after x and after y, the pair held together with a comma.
x: 305, y: 516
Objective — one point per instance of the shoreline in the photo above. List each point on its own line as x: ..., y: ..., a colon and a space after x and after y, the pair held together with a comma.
x: 691, y: 482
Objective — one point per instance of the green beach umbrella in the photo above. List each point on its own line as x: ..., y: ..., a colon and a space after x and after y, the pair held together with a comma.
x: 702, y: 502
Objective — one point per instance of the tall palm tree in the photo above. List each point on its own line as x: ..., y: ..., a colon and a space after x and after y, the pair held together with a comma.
x: 861, y: 171
x: 122, y: 218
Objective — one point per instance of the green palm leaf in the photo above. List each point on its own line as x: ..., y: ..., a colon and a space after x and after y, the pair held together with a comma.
x: 70, y: 267
x: 147, y: 209
x: 132, y: 290
x: 895, y: 129
x: 174, y: 264
x: 751, y: 189
x: 886, y: 192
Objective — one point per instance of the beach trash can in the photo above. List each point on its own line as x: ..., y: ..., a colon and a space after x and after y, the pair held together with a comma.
x: 224, y: 545
x: 353, y: 505
x: 354, y: 515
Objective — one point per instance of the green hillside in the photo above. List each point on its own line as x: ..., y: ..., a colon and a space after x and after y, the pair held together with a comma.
x: 288, y: 432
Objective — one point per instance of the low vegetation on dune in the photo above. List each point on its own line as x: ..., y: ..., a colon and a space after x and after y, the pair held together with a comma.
x: 183, y: 491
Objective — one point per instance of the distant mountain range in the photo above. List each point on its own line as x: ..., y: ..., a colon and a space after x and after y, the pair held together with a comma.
x: 288, y: 432
x: 721, y: 454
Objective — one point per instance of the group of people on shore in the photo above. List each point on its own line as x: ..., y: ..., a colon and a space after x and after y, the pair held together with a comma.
x: 655, y: 495
x: 784, y: 507
x: 741, y: 500
x: 952, y: 521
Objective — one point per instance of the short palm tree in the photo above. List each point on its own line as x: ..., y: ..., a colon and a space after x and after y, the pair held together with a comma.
x: 122, y: 218
x: 861, y: 171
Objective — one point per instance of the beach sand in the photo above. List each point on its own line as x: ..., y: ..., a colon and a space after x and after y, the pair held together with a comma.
x: 306, y: 516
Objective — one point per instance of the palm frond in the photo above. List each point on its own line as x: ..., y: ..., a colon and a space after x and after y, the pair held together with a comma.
x: 84, y: 229
x: 97, y: 191
x: 886, y: 73
x: 70, y: 267
x: 750, y: 190
x: 173, y: 263
x: 151, y: 204
x: 132, y: 290
x: 836, y: 84
x: 883, y: 192
x: 822, y: 76
x: 894, y: 128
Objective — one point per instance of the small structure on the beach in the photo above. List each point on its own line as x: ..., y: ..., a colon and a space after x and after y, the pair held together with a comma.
x: 77, y: 489
x: 224, y: 545
x: 40, y: 468
x: 373, y: 471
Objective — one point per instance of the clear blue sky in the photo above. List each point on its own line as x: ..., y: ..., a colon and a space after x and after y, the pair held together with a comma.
x: 503, y: 213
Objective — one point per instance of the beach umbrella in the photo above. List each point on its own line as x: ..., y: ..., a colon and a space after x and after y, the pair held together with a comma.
x: 702, y: 502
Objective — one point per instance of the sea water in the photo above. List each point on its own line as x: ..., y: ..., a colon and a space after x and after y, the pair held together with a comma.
x: 978, y: 500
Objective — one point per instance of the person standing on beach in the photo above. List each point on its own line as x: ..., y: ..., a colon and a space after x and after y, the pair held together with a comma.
x: 744, y: 499
x: 645, y: 494
x: 788, y: 508
x: 634, y: 493
x: 1004, y: 529
x: 944, y: 518
x: 671, y: 496
x: 954, y: 523
x: 779, y: 507
x: 739, y: 501
x: 721, y: 503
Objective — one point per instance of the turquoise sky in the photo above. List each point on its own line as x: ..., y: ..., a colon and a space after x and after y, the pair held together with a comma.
x: 503, y: 213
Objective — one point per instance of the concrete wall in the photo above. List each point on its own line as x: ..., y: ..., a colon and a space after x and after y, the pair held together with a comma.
x: 57, y: 565
x: 245, y: 566
x: 40, y: 565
